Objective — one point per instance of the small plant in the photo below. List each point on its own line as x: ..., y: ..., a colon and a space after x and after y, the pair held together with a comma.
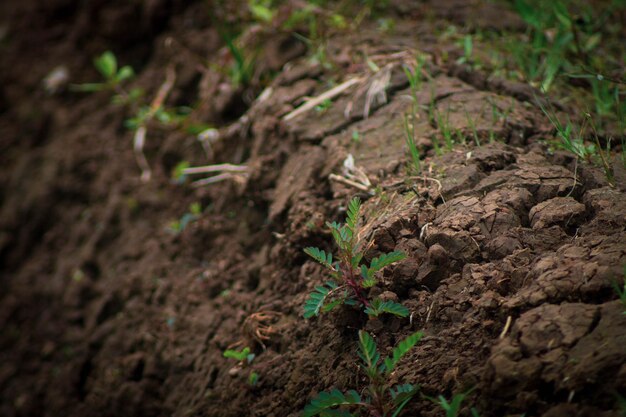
x: 178, y: 226
x: 409, y: 136
x: 468, y: 48
x: 243, y: 356
x: 381, y: 399
x: 106, y: 64
x: 571, y: 139
x: 443, y: 124
x: 351, y: 278
x: 452, y: 408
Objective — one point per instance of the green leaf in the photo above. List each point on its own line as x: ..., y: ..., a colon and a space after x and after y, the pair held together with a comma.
x: 378, y: 307
x: 329, y: 306
x: 453, y: 407
x: 253, y: 378
x: 125, y: 73
x: 382, y: 261
x: 320, y: 256
x: 260, y: 12
x: 401, y: 395
x: 401, y: 350
x: 317, y: 299
x: 353, y: 213
x: 367, y: 350
x: 327, y: 400
x: 106, y: 64
x: 236, y: 354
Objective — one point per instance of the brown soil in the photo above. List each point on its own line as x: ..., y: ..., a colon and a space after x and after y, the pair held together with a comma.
x: 105, y: 312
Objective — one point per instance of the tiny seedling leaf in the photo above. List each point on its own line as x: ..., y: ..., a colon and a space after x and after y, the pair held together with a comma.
x: 125, y: 73
x: 106, y: 64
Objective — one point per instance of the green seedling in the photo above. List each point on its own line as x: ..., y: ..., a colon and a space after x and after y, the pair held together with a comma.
x: 468, y: 48
x: 178, y: 173
x: 106, y: 64
x: 253, y: 379
x: 452, y: 408
x: 243, y: 356
x: 409, y: 136
x: 350, y: 277
x: 571, y: 139
x: 472, y: 125
x: 381, y: 399
x: 178, y: 226
x: 262, y: 10
x: 414, y: 76
x: 165, y: 117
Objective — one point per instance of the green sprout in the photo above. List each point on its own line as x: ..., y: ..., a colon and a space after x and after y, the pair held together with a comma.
x: 243, y: 356
x: 452, y: 408
x: 381, y: 399
x: 409, y: 136
x: 178, y: 226
x: 107, y: 66
x: 350, y: 277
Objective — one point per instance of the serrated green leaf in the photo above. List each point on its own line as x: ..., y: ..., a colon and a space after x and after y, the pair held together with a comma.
x: 317, y: 298
x: 320, y: 256
x: 367, y: 350
x: 356, y: 260
x: 401, y: 350
x: 353, y: 213
x: 106, y: 64
x: 378, y: 307
x: 384, y: 260
x: 327, y: 400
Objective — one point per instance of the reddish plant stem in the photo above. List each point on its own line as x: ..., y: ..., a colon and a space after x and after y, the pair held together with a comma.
x: 353, y: 283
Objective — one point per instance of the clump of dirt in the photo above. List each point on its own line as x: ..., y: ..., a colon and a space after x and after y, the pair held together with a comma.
x: 107, y: 311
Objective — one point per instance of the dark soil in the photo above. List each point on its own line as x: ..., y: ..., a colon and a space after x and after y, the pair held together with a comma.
x: 106, y: 312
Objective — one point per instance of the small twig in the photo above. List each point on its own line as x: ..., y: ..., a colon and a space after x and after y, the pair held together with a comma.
x: 430, y: 310
x: 509, y: 319
x: 346, y: 181
x: 217, y: 178
x: 333, y: 92
x: 215, y: 168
